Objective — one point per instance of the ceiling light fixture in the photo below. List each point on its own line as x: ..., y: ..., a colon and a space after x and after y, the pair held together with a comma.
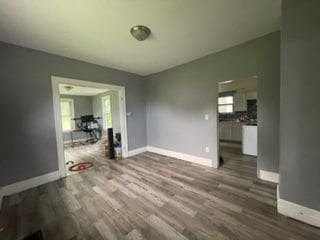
x: 229, y: 81
x: 140, y: 32
x: 68, y: 88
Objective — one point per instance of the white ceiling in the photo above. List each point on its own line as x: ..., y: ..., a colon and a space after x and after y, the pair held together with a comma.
x: 79, y: 91
x: 97, y: 31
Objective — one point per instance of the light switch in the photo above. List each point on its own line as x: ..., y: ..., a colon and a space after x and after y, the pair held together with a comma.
x: 206, y: 116
x: 128, y: 114
x: 207, y: 149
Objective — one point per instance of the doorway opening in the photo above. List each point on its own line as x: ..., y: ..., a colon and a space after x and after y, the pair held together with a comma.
x: 90, y: 122
x: 237, y: 125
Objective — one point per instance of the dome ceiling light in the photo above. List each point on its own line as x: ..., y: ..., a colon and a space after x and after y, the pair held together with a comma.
x: 140, y: 32
x: 68, y: 88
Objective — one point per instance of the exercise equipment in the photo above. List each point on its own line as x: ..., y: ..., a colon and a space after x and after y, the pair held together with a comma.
x: 90, y: 125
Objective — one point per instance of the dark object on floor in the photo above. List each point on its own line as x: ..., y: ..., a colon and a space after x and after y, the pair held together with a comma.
x: 90, y: 125
x: 34, y: 236
x: 118, y: 137
x: 111, y: 143
x: 80, y: 166
x: 221, y: 161
x: 70, y: 162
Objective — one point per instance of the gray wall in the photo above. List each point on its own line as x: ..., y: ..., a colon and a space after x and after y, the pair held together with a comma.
x: 178, y: 99
x: 97, y: 109
x: 82, y: 106
x: 300, y: 115
x: 28, y: 146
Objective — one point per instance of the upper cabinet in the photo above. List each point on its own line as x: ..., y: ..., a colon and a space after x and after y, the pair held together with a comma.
x: 251, y: 95
x: 240, y: 102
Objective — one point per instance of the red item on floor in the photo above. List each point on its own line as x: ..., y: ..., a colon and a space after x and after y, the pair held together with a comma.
x: 80, y: 166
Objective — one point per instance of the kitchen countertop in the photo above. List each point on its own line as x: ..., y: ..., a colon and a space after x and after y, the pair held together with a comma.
x: 232, y: 121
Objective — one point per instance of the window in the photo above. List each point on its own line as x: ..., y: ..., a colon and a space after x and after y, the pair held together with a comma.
x: 106, y: 112
x: 67, y: 114
x: 225, y: 104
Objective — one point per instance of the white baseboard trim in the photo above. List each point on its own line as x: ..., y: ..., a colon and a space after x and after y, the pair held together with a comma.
x: 269, y: 176
x: 298, y: 212
x: 136, y: 151
x: 187, y: 157
x: 26, y: 184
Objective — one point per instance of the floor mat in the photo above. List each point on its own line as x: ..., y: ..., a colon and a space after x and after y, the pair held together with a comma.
x: 80, y: 166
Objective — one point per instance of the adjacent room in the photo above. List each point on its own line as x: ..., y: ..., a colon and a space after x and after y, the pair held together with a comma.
x: 162, y: 120
x: 88, y: 115
x: 237, y: 123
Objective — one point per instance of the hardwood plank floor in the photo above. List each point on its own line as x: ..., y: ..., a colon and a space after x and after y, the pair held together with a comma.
x: 150, y: 196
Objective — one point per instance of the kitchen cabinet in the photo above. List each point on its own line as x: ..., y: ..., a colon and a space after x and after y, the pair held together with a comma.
x: 240, y: 102
x: 225, y: 130
x: 237, y: 131
x: 230, y: 131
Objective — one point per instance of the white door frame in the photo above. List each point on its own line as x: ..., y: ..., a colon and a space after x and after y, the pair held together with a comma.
x: 57, y: 114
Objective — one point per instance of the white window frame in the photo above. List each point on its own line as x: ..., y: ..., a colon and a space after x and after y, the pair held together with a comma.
x: 71, y: 102
x: 226, y: 104
x: 103, y: 111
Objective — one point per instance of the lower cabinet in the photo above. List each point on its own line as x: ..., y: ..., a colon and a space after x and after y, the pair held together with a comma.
x: 237, y: 131
x: 225, y: 130
x: 230, y: 131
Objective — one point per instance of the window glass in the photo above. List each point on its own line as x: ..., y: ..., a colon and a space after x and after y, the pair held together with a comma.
x: 225, y: 104
x: 107, y: 117
x: 226, y: 108
x: 67, y: 112
x: 226, y: 100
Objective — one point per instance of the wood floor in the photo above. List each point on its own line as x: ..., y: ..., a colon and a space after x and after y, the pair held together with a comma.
x: 150, y: 196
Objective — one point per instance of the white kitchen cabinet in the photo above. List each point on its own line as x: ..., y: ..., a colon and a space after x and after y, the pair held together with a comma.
x: 225, y: 130
x: 240, y: 102
x: 237, y: 131
x: 230, y: 131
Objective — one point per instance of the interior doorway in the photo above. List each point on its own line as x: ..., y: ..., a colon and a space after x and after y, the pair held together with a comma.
x: 237, y: 120
x: 90, y: 120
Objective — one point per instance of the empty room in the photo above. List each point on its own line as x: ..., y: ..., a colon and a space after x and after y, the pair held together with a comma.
x: 159, y: 120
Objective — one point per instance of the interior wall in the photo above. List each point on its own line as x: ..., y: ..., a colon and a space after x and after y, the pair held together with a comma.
x: 179, y: 98
x: 300, y: 116
x: 82, y: 106
x: 115, y: 113
x: 29, y: 148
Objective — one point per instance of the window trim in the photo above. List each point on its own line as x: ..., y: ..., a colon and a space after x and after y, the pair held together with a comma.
x: 226, y: 104
x: 103, y: 110
x: 71, y: 102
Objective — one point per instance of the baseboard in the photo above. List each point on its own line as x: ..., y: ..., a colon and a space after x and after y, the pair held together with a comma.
x: 26, y: 184
x: 75, y: 141
x: 269, y: 176
x: 187, y: 157
x: 136, y: 151
x: 298, y: 212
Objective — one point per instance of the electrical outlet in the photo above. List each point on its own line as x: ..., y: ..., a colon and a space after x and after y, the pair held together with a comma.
x: 206, y: 116
x: 207, y: 149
